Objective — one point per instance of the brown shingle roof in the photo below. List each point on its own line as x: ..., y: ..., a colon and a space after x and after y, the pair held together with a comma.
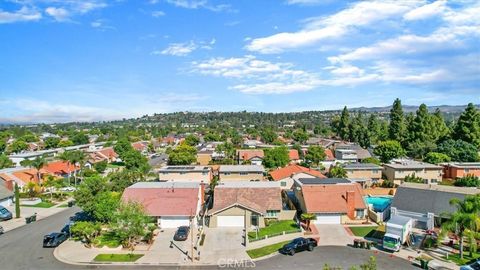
x: 330, y: 198
x: 257, y: 199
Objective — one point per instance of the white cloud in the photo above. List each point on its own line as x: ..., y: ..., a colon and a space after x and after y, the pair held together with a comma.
x: 101, y: 25
x: 317, y: 29
x: 306, y: 2
x: 185, y: 48
x: 197, y: 4
x: 59, y: 14
x: 23, y: 14
x: 426, y: 11
x: 158, y: 13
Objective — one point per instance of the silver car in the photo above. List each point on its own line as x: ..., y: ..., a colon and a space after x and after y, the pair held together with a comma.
x: 5, y: 214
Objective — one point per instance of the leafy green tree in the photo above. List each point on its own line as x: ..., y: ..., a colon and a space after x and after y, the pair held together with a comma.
x: 88, y: 191
x: 436, y: 158
x: 420, y: 133
x: 413, y: 178
x: 467, y: 127
x: 308, y: 217
x: 459, y: 150
x: 3, y: 146
x: 79, y: 138
x: 134, y: 160
x: 120, y: 180
x: 227, y: 148
x: 18, y: 146
x: 358, y: 131
x: 29, y: 138
x: 86, y: 231
x: 315, y: 154
x: 130, y: 223
x: 397, y: 127
x: 51, y: 142
x: 300, y: 136
x: 184, y: 154
x: 441, y: 130
x: 377, y: 130
x: 5, y: 162
x: 468, y: 181
x: 122, y: 147
x: 38, y: 163
x: 100, y: 166
x: 464, y: 219
x: 268, y: 135
x: 337, y: 172
x: 372, y: 160
x: 212, y: 137
x: 106, y: 203
x: 388, y: 150
x: 276, y: 157
x: 192, y: 140
x: 65, y: 143
x: 344, y: 124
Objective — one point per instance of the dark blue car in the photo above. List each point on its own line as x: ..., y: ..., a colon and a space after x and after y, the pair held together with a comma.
x: 299, y: 244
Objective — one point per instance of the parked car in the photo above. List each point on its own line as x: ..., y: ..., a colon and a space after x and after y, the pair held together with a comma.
x: 181, y: 234
x: 5, y: 214
x: 54, y: 239
x: 299, y: 244
x: 68, y: 189
x: 471, y: 265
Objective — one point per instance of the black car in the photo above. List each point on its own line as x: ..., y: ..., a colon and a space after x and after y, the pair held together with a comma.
x: 181, y: 234
x: 54, y: 239
x: 299, y: 244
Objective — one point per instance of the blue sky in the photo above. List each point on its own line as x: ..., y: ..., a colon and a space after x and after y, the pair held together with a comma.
x: 69, y: 60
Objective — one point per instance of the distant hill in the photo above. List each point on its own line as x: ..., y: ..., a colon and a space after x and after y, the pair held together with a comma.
x: 454, y: 109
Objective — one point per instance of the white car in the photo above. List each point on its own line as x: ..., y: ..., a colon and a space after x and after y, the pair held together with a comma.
x: 472, y: 265
x: 68, y: 189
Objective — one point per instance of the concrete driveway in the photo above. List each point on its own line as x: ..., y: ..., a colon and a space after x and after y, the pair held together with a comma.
x: 223, y: 244
x: 162, y: 252
x: 333, y: 235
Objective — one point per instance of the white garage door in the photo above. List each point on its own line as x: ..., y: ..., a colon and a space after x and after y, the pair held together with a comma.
x: 173, y: 222
x: 328, y: 219
x: 6, y: 202
x: 230, y: 221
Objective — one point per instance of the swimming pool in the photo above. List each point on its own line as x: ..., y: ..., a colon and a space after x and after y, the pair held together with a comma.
x: 379, y: 203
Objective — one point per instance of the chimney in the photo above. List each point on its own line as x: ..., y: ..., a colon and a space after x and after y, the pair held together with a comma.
x: 351, y: 204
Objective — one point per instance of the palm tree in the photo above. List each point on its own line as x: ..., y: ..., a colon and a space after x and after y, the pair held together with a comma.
x: 465, y: 221
x: 77, y: 157
x: 38, y: 163
x: 308, y: 217
x: 65, y: 157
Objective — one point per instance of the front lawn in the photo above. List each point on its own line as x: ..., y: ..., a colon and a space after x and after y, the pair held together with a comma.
x: 266, y: 250
x: 274, y: 228
x: 117, y: 257
x: 63, y: 205
x: 466, y: 258
x: 368, y: 231
x: 41, y: 205
x: 108, y: 239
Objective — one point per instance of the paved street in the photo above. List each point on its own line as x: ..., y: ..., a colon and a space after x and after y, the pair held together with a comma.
x: 22, y: 249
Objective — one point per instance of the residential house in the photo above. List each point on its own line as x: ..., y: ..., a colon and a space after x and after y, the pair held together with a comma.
x: 364, y: 173
x: 173, y: 204
x: 228, y: 173
x: 294, y: 156
x: 349, y: 152
x: 427, y: 203
x: 200, y: 174
x: 61, y: 168
x: 141, y: 147
x: 105, y: 154
x: 20, y: 176
x: 17, y: 158
x: 285, y: 176
x: 346, y: 155
x: 333, y: 201
x: 247, y: 205
x: 251, y: 143
x: 6, y: 196
x: 399, y: 169
x: 455, y: 170
x: 254, y: 157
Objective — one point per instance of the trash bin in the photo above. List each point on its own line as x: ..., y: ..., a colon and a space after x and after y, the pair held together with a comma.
x: 362, y: 244
x: 34, y: 217
x: 71, y: 203
x: 424, y: 264
x: 28, y: 220
x: 355, y: 243
x: 369, y: 245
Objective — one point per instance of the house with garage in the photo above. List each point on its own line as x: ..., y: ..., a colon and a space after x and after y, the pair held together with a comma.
x: 200, y: 174
x: 399, y: 169
x: 229, y: 173
x: 286, y: 175
x: 294, y: 156
x: 425, y: 203
x: 332, y: 200
x: 173, y: 204
x: 254, y: 157
x: 364, y: 173
x: 455, y: 170
x: 6, y: 196
x: 20, y: 176
x: 247, y: 205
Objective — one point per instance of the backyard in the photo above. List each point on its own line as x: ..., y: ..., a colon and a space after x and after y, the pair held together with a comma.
x: 368, y: 231
x: 275, y: 228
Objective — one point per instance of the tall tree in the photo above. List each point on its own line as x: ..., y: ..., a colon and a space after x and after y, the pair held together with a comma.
x: 344, y: 124
x: 17, y: 201
x: 420, y: 133
x: 388, y: 150
x: 337, y: 172
x: 397, y: 127
x: 276, y: 157
x: 5, y: 162
x: 467, y: 127
x: 459, y: 150
x: 38, y: 163
x: 315, y: 154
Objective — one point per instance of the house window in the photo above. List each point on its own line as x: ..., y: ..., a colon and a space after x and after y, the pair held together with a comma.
x: 360, y: 213
x: 272, y: 213
x: 254, y: 220
x: 226, y: 173
x: 467, y: 170
x: 433, y: 181
x: 375, y: 171
x: 205, y: 173
x: 283, y: 184
x: 243, y: 173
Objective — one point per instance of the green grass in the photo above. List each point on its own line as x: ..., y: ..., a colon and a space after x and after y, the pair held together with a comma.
x: 266, y: 250
x: 466, y: 258
x: 368, y: 231
x: 41, y: 205
x: 108, y: 239
x: 63, y: 205
x: 117, y: 257
x: 274, y: 228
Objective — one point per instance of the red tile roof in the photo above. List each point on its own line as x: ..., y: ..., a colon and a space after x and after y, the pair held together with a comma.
x: 60, y: 167
x: 139, y: 146
x: 164, y: 201
x: 246, y: 154
x: 256, y: 199
x: 331, y: 198
x: 293, y: 154
x: 288, y: 171
x: 329, y: 155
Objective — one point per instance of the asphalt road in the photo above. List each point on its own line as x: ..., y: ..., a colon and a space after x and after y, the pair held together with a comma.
x: 22, y: 249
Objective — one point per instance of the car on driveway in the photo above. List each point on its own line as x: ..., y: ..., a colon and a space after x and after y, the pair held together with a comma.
x: 5, y: 214
x: 299, y: 244
x: 471, y: 265
x: 54, y: 239
x: 181, y: 234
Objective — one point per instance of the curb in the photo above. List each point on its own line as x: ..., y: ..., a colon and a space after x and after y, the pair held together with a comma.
x: 266, y: 257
